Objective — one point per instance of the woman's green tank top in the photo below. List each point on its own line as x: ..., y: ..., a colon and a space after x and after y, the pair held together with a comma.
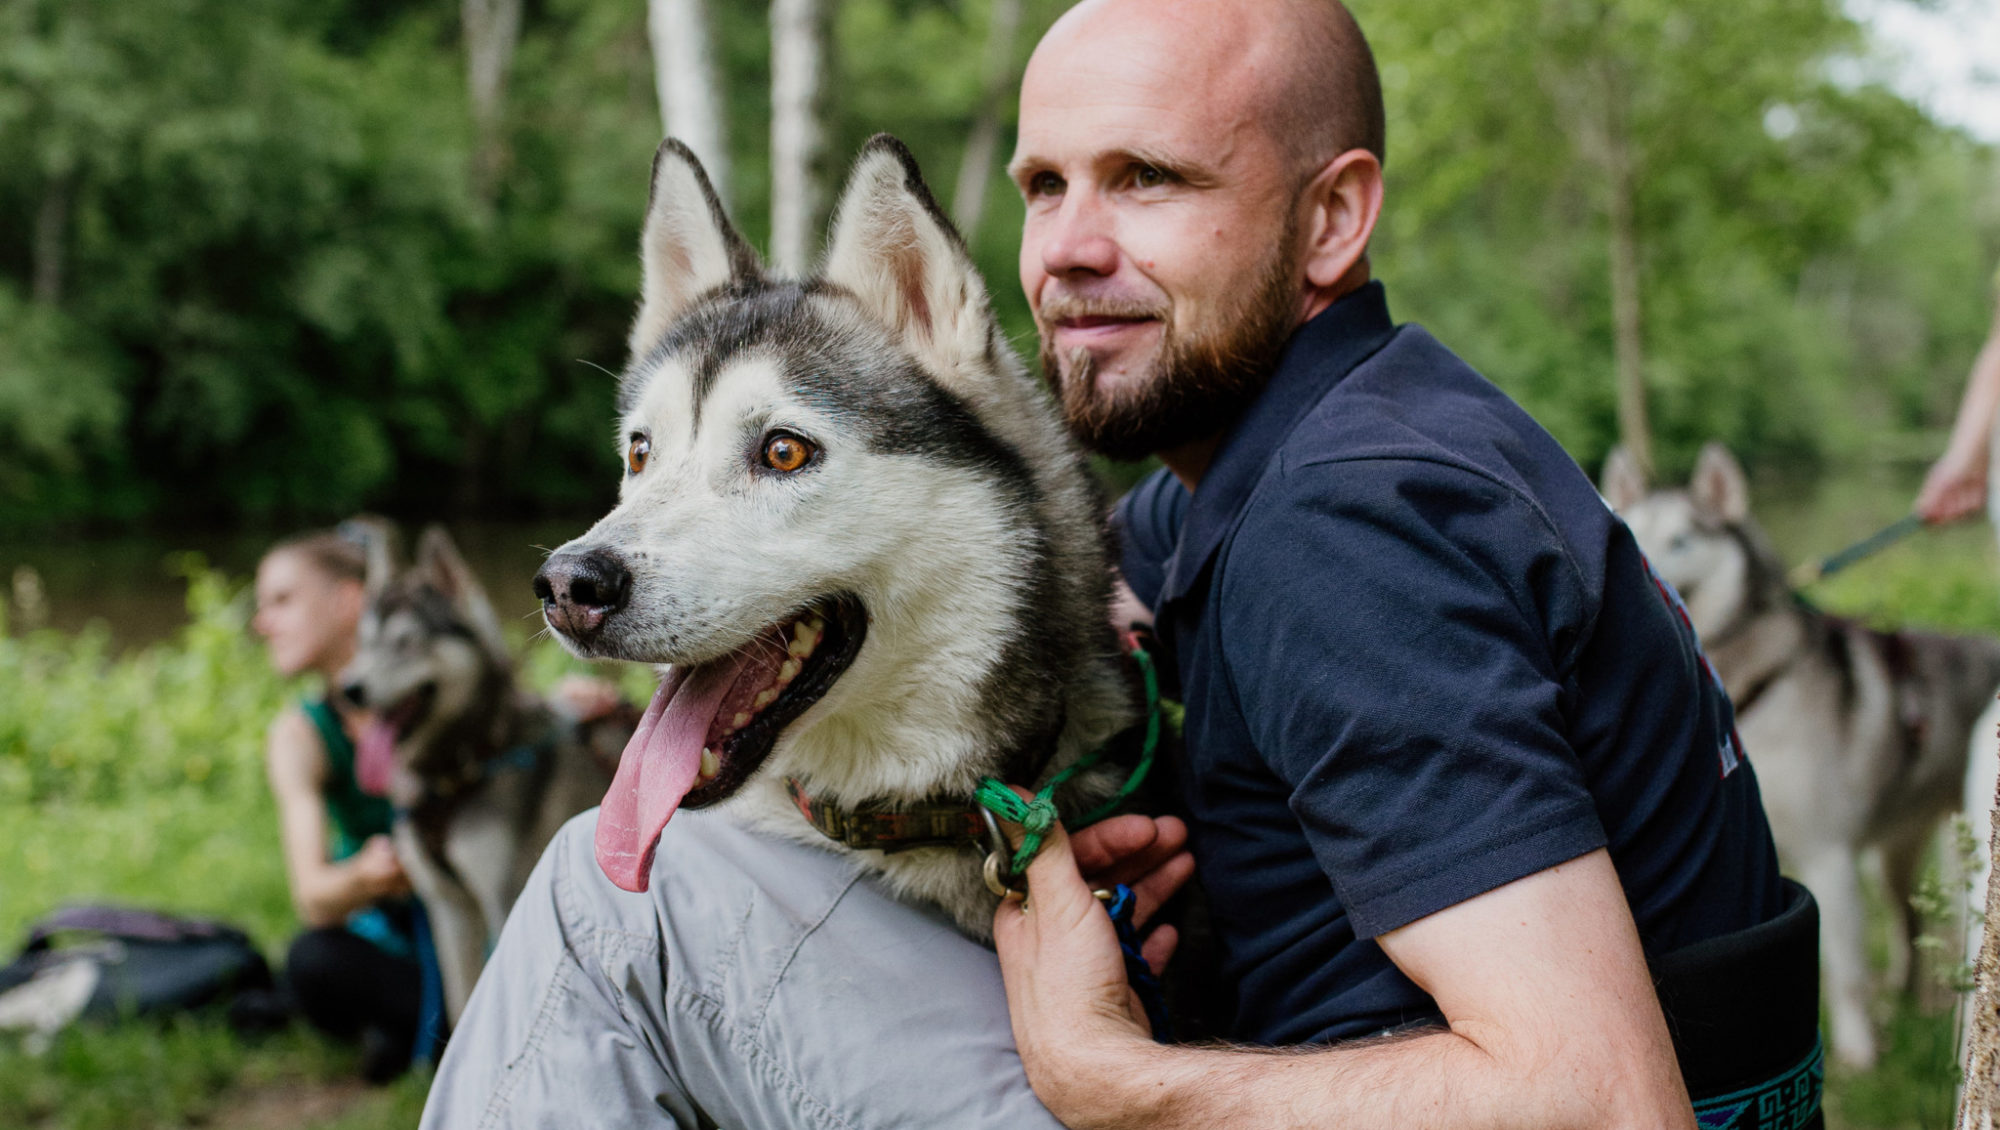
x: 355, y: 815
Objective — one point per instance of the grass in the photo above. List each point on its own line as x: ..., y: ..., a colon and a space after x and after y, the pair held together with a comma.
x: 138, y: 778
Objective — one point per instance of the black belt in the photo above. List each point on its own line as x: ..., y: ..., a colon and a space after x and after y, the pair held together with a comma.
x: 1743, y: 1010
x: 1788, y: 1102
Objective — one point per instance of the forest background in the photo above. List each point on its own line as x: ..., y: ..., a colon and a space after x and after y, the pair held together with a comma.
x: 273, y: 262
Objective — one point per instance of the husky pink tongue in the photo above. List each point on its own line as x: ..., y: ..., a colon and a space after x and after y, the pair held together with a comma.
x: 659, y: 766
x: 375, y: 757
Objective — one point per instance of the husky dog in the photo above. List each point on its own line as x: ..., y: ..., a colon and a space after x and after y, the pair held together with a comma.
x: 483, y: 772
x: 855, y: 531
x: 1859, y: 736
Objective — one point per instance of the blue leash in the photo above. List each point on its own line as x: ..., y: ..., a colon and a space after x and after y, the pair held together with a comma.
x: 1118, y: 903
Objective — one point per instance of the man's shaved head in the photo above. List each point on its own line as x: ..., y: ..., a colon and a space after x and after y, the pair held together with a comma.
x: 1306, y: 71
x: 1201, y: 178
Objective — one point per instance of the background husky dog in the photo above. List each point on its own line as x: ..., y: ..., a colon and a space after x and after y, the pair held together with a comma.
x: 853, y: 525
x: 1859, y: 737
x: 483, y: 772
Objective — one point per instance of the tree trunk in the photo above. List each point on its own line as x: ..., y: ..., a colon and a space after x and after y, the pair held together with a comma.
x: 492, y: 31
x: 1626, y: 327
x: 51, y: 240
x: 684, y: 77
x: 798, y: 57
x: 968, y: 198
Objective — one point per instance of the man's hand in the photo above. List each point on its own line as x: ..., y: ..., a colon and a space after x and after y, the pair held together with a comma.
x: 1553, y: 1021
x: 1065, y: 976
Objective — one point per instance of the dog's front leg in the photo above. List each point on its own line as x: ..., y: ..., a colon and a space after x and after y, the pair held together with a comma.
x: 456, y: 928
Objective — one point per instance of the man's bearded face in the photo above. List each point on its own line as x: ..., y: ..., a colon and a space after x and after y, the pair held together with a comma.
x: 1202, y: 373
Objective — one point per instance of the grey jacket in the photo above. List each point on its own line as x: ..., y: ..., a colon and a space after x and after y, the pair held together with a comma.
x: 759, y: 984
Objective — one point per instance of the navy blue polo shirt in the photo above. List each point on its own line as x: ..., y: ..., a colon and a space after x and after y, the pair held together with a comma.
x: 1421, y: 659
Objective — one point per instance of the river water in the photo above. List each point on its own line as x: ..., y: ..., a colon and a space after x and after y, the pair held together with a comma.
x: 127, y: 582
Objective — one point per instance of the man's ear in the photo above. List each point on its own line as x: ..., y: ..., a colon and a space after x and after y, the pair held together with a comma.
x: 1343, y: 201
x: 895, y: 251
x: 1719, y: 484
x: 689, y: 246
x: 439, y: 562
x: 1622, y: 484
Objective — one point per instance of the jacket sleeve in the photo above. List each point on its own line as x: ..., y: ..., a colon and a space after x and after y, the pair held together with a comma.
x: 546, y: 1041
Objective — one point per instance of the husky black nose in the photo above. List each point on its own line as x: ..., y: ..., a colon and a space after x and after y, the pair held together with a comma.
x: 580, y: 591
x: 355, y: 693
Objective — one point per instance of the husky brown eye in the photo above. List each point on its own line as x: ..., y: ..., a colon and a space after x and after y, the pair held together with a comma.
x: 786, y: 452
x: 635, y: 455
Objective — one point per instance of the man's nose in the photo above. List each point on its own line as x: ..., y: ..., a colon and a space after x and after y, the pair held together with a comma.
x: 1078, y: 238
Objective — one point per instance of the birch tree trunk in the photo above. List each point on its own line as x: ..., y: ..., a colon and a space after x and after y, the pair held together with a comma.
x: 798, y: 54
x: 51, y: 239
x: 975, y: 172
x: 684, y: 78
x: 1634, y: 430
x: 1592, y: 92
x: 492, y: 30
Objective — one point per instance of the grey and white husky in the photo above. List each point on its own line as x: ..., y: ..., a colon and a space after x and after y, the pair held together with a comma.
x: 482, y: 771
x: 854, y: 530
x: 1859, y: 736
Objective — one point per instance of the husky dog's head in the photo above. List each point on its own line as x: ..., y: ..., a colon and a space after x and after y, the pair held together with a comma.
x: 1699, y: 539
x: 850, y: 521
x: 429, y: 660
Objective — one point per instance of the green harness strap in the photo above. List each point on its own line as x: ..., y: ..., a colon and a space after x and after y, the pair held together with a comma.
x: 1037, y: 815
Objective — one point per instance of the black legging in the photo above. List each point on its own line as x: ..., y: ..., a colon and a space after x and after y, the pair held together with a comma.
x: 347, y: 985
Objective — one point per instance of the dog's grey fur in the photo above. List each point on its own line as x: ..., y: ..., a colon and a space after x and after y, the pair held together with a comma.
x: 490, y: 773
x: 948, y: 499
x: 1859, y: 737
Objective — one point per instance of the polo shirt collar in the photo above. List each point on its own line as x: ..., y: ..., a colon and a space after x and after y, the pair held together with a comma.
x: 1318, y: 355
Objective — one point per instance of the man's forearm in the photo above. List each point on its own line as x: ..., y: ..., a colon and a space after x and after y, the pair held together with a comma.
x: 1434, y: 1079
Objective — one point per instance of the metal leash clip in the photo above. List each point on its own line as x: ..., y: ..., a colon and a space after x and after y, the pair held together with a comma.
x: 997, y: 879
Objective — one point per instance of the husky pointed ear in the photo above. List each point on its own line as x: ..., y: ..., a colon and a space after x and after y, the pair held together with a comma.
x: 896, y: 252
x: 380, y: 548
x: 689, y: 246
x: 1719, y: 484
x: 441, y: 564
x: 1622, y: 484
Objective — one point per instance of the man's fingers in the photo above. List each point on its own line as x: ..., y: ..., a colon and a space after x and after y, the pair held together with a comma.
x: 1152, y: 890
x: 1124, y: 849
x: 1158, y: 949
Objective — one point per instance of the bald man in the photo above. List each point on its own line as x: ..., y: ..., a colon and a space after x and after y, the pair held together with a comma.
x: 1454, y: 769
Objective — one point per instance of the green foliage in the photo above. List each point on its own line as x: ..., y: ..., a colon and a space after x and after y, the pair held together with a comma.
x: 249, y: 277
x: 78, y: 725
x: 193, y: 1071
x: 1815, y: 256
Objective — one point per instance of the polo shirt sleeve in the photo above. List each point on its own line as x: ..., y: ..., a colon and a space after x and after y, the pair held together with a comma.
x: 1397, y: 632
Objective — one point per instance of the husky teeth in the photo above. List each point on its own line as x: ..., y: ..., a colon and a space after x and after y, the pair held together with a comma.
x: 741, y: 720
x: 710, y: 764
x: 802, y: 634
x: 799, y: 648
x: 788, y: 670
x: 764, y: 698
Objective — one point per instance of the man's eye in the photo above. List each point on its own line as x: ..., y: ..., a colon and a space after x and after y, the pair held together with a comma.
x: 1149, y: 176
x: 1045, y: 184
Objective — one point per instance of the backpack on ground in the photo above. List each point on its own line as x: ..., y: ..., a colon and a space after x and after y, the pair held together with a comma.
x: 107, y: 963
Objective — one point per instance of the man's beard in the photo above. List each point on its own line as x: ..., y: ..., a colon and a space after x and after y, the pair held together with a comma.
x: 1198, y: 384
